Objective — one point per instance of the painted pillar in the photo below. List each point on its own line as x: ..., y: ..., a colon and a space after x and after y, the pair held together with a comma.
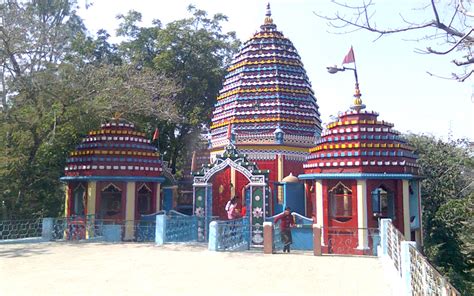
x: 158, y: 197
x: 232, y: 181
x: 406, y: 210
x: 208, y: 208
x: 362, y: 214
x: 319, y: 206
x: 199, y: 207
x: 66, y: 200
x: 130, y: 211
x: 91, y: 202
x: 257, y: 213
x: 91, y: 197
x: 420, y: 212
x: 280, y: 177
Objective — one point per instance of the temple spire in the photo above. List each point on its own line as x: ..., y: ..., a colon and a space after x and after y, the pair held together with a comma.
x: 358, y: 105
x: 268, y: 15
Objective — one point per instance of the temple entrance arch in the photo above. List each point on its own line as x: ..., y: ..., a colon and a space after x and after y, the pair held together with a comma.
x: 256, y: 192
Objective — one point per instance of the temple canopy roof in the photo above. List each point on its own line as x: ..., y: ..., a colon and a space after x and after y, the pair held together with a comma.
x: 357, y: 142
x: 266, y: 90
x: 116, y: 150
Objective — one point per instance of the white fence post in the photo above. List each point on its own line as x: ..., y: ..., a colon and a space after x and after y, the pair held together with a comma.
x: 383, y: 236
x: 212, y: 246
x: 160, y: 231
x: 47, y: 229
x: 405, y: 265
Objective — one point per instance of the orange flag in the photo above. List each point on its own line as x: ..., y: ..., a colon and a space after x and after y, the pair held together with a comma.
x: 349, y: 58
x: 156, y: 134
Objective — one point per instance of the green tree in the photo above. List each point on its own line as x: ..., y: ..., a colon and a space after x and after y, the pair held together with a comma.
x: 448, y: 204
x: 195, y: 52
x: 59, y: 84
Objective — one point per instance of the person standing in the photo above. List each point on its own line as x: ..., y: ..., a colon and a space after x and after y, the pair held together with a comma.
x: 231, y: 209
x: 286, y: 222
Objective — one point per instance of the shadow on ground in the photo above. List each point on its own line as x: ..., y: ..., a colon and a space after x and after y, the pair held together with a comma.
x: 15, y: 251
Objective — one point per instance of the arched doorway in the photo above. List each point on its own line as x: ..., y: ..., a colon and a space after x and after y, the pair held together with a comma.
x: 207, y: 205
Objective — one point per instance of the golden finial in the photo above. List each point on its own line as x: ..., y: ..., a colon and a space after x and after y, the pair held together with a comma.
x: 357, y: 101
x: 268, y: 15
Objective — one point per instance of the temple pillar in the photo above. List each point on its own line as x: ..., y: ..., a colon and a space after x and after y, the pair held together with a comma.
x: 158, y: 196
x: 233, y: 182
x: 406, y: 209
x: 66, y: 200
x: 419, y: 241
x: 130, y: 211
x: 90, y: 211
x: 257, y: 213
x: 280, y: 177
x: 319, y: 207
x: 362, y: 214
x: 91, y: 197
x: 202, y: 208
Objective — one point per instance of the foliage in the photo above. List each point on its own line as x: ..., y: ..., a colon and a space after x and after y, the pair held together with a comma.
x: 449, y: 28
x: 448, y: 204
x: 59, y: 84
x: 195, y: 52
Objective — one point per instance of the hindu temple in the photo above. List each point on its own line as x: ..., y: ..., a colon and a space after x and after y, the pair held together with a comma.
x: 267, y: 148
x: 361, y: 170
x: 267, y: 111
x: 113, y: 175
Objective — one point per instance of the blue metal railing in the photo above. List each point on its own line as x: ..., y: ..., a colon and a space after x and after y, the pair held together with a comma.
x: 180, y: 227
x: 233, y: 235
x: 302, y: 234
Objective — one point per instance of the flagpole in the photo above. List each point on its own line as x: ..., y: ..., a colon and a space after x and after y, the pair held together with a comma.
x: 350, y: 58
x: 355, y: 69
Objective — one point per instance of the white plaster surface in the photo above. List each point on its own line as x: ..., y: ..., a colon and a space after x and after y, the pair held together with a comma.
x: 146, y: 269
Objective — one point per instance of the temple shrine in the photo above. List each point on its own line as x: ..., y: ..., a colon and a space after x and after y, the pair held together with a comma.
x: 267, y: 148
x: 267, y: 111
x: 360, y: 171
x: 114, y: 175
x: 266, y: 131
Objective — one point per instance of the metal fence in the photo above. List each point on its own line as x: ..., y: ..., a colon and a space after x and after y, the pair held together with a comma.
x: 302, y: 233
x: 351, y: 241
x: 181, y: 227
x: 277, y: 241
x: 19, y: 229
x: 203, y: 227
x: 107, y: 230
x: 233, y: 235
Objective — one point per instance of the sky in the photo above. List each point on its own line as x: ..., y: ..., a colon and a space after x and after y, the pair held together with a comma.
x: 392, y: 76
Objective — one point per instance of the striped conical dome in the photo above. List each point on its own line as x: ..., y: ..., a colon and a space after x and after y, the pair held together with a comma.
x: 359, y: 143
x: 117, y: 149
x: 266, y: 92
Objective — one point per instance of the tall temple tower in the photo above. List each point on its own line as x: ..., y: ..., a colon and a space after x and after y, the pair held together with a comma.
x: 266, y: 108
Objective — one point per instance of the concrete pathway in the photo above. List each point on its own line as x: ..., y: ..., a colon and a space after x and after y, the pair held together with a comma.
x: 145, y: 269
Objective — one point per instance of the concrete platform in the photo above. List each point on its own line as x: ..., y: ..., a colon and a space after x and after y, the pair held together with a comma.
x: 146, y: 269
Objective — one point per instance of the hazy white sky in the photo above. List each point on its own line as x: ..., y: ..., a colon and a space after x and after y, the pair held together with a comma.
x: 393, y: 78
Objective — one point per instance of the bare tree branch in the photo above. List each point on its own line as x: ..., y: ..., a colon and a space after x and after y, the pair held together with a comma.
x: 456, y: 32
x: 430, y: 50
